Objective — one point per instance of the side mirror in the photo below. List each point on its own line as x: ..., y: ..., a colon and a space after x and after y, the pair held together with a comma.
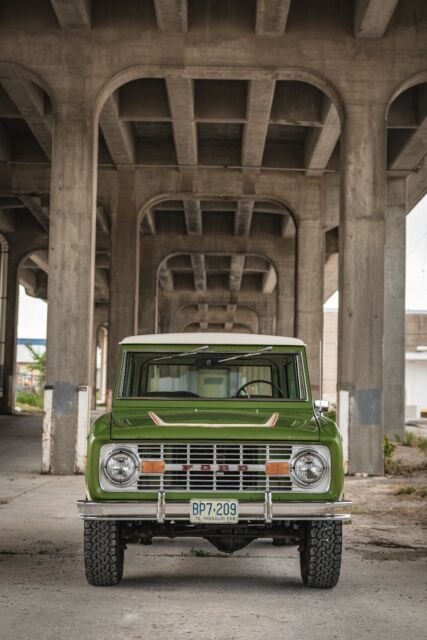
x: 321, y: 405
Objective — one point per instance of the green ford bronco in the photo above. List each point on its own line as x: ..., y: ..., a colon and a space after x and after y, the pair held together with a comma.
x: 216, y: 436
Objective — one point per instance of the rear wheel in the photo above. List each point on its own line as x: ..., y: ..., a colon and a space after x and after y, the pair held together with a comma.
x: 320, y: 553
x: 103, y: 552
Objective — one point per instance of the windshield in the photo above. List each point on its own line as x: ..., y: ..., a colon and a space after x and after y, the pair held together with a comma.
x: 214, y: 376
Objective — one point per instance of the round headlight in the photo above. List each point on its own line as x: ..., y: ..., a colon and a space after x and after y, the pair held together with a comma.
x: 308, y: 467
x: 121, y: 466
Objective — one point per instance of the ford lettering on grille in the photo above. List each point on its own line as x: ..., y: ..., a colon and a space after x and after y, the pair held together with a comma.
x: 214, y: 467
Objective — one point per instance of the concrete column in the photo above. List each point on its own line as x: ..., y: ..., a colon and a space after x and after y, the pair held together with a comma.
x: 71, y: 284
x: 285, y: 325
x: 93, y: 354
x: 103, y: 338
x: 148, y: 302
x: 361, y: 285
x: 124, y: 267
x: 309, y: 294
x: 148, y: 311
x: 394, y: 309
x: 10, y: 309
x: 168, y: 314
x: 266, y: 324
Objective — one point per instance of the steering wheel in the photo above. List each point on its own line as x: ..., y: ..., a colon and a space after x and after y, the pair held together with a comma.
x: 272, y: 385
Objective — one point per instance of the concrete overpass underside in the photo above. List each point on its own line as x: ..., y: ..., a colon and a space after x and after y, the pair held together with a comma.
x: 178, y: 165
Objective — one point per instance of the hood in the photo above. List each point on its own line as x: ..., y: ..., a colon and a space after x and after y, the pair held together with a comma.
x: 174, y: 422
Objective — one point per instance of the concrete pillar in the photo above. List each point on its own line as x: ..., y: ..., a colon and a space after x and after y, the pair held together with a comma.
x: 10, y: 262
x: 361, y: 285
x: 148, y: 311
x: 93, y: 354
x: 394, y: 309
x: 285, y: 325
x: 148, y: 302
x: 168, y: 315
x: 103, y: 339
x: 267, y: 322
x: 124, y: 267
x: 70, y: 286
x: 309, y: 294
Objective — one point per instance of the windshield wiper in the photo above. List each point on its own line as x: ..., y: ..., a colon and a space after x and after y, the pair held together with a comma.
x: 246, y: 355
x: 182, y: 354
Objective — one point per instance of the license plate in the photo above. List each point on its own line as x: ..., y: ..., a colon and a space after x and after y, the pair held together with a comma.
x: 214, y: 511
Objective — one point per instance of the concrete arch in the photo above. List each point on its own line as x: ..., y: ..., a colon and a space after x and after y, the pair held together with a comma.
x: 12, y: 70
x: 193, y: 328
x: 298, y: 74
x: 283, y: 297
x: 412, y: 81
x: 267, y: 259
x: 183, y: 195
x: 215, y: 253
x: 250, y: 319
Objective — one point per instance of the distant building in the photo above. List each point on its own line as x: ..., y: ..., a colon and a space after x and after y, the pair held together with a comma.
x: 415, y: 365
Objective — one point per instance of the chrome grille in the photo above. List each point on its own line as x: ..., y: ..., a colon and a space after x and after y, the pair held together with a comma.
x: 214, y: 467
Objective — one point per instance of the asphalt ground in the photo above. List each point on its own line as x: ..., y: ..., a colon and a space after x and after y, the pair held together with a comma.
x: 186, y: 588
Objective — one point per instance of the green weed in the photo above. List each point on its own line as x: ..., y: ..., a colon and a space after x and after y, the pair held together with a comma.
x: 31, y: 399
x: 404, y: 491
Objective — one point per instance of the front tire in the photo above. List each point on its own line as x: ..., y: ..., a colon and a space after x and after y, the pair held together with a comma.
x: 103, y: 552
x: 320, y: 553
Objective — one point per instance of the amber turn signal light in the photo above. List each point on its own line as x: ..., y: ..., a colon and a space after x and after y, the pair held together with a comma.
x: 152, y: 466
x: 277, y: 468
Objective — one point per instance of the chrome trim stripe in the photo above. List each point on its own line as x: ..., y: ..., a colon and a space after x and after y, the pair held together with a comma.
x: 162, y: 510
x: 270, y: 422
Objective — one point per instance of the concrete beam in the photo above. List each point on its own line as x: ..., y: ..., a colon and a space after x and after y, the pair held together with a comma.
x: 30, y: 102
x: 28, y: 279
x: 243, y: 218
x: 371, y: 17
x: 40, y: 258
x: 320, y: 141
x: 199, y: 270
x: 4, y: 145
x: 203, y: 313
x: 236, y: 271
x: 409, y: 156
x: 181, y: 103
x: 171, y: 15
x: 40, y: 213
x: 166, y: 279
x: 102, y: 219
x: 118, y: 135
x: 73, y: 14
x: 288, y: 226
x: 148, y: 225
x: 269, y: 281
x: 260, y: 100
x: 193, y: 217
x: 230, y: 317
x: 271, y: 17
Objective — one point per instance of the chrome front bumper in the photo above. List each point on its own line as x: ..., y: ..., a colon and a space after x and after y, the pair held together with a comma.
x: 164, y: 511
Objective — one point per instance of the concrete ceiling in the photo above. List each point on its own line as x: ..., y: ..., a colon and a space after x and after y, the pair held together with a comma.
x: 189, y: 122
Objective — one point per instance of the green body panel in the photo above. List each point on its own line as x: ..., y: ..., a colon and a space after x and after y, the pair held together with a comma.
x: 295, y: 423
x: 130, y: 421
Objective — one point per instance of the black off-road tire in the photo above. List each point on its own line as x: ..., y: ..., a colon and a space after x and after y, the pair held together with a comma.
x: 104, y: 552
x: 320, y: 553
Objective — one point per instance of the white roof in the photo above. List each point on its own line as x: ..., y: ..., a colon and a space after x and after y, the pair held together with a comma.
x: 213, y: 338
